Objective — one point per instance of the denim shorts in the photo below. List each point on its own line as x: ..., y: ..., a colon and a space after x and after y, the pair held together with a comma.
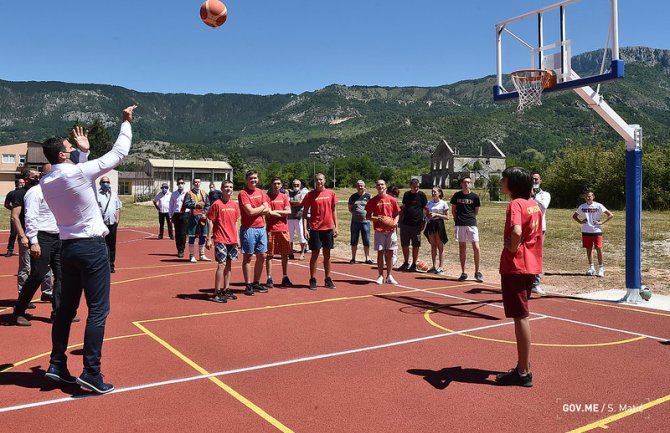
x: 254, y: 240
x: 358, y: 228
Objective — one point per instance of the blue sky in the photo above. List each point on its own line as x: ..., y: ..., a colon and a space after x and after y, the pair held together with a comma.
x: 270, y: 46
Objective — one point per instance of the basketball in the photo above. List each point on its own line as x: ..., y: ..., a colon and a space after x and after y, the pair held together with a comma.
x: 422, y: 265
x: 213, y: 13
x: 386, y: 222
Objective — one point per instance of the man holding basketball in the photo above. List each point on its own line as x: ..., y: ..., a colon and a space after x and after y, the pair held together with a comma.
x: 379, y: 209
x: 320, y: 204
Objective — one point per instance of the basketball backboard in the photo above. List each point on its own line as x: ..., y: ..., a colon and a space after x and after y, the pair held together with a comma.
x: 549, y: 37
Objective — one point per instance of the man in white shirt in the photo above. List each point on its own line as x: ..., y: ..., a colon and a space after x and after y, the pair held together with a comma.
x: 110, y: 206
x: 70, y: 193
x: 542, y: 198
x: 162, y: 204
x: 179, y: 218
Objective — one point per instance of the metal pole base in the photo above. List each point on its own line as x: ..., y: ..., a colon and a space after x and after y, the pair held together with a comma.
x: 632, y: 296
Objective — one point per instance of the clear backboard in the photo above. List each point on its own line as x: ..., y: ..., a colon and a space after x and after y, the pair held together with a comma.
x: 549, y: 37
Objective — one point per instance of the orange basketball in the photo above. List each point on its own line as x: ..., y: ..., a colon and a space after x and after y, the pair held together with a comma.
x: 422, y: 265
x: 213, y: 13
x: 386, y: 222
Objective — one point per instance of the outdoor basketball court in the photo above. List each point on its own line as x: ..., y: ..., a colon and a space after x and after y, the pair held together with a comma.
x: 363, y: 357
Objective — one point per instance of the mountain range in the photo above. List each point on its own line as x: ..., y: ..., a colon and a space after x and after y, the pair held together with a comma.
x: 391, y: 125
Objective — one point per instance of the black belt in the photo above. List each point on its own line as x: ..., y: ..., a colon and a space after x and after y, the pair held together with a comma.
x: 51, y: 235
x: 95, y: 239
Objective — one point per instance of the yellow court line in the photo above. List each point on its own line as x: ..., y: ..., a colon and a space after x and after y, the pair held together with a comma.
x: 427, y: 314
x: 603, y: 423
x: 32, y: 358
x: 160, y: 276
x: 236, y: 395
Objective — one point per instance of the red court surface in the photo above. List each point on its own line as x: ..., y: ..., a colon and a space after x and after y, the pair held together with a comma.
x: 421, y: 356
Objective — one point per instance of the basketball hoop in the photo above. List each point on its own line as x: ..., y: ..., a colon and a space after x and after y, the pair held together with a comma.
x: 530, y: 83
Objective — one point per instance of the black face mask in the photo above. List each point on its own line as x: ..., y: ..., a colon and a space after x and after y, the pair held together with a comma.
x: 74, y: 156
x: 32, y: 182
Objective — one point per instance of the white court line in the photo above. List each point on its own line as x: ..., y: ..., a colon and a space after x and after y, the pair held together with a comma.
x: 259, y: 367
x: 539, y: 315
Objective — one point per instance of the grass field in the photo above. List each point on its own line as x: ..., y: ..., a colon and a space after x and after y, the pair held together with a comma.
x: 564, y: 257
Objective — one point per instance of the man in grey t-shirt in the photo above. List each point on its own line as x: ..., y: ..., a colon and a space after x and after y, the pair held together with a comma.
x: 295, y: 196
x: 360, y: 226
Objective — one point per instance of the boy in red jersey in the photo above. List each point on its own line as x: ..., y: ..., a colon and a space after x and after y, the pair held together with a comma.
x: 222, y: 219
x: 520, y: 261
x: 277, y: 228
x: 254, y: 204
x: 322, y: 230
x: 386, y: 241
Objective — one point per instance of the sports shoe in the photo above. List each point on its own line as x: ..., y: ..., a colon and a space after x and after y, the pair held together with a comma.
x: 94, y: 383
x: 601, y: 271
x: 432, y: 270
x: 440, y: 271
x: 380, y: 279
x: 463, y: 277
x: 412, y: 268
x: 513, y: 377
x: 9, y: 253
x: 20, y: 320
x: 302, y: 257
x: 258, y: 288
x: 249, y: 290
x: 46, y: 297
x: 369, y: 262
x: 192, y: 259
x: 538, y: 290
x: 204, y: 258
x: 160, y: 237
x: 229, y: 294
x: 171, y: 237
x: 391, y: 280
x: 291, y: 257
x: 285, y: 282
x: 352, y: 262
x: 591, y: 271
x: 403, y: 267
x: 59, y: 374
x: 329, y: 283
x: 31, y: 306
x: 180, y: 254
x: 269, y: 283
x: 220, y: 297
x: 479, y: 277
x: 312, y: 284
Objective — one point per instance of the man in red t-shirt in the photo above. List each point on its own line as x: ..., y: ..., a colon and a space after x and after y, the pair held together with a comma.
x: 277, y: 228
x: 222, y: 219
x: 254, y: 204
x: 386, y: 241
x: 322, y: 230
x: 520, y: 261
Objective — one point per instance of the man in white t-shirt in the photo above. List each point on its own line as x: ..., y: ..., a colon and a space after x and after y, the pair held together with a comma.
x: 592, y: 231
x: 542, y: 198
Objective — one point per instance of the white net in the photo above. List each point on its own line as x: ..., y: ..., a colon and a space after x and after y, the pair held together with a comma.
x: 530, y: 83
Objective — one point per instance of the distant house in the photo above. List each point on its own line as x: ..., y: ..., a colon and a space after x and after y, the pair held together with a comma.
x: 168, y: 170
x: 448, y: 165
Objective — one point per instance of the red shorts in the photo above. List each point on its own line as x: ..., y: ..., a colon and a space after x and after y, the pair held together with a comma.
x: 515, y: 292
x: 590, y: 240
x: 279, y: 244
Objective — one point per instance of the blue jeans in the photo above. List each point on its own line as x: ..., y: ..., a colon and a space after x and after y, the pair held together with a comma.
x: 358, y: 228
x: 85, y: 265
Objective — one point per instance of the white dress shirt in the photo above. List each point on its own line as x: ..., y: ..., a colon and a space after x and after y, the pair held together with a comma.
x: 38, y: 215
x: 543, y: 198
x: 177, y: 202
x: 71, y: 196
x: 163, y: 201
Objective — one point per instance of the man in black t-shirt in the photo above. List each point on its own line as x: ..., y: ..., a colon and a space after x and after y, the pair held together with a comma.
x: 411, y: 224
x: 465, y: 207
x: 9, y: 199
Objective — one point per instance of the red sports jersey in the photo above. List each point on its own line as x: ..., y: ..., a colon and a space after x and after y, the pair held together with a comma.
x: 224, y: 216
x: 382, y: 206
x: 528, y: 258
x: 255, y: 198
x: 277, y: 202
x: 321, y: 205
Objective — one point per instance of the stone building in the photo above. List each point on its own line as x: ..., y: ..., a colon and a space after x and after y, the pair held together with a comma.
x: 448, y: 165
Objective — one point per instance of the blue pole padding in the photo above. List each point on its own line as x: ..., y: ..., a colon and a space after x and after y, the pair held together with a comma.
x: 633, y: 218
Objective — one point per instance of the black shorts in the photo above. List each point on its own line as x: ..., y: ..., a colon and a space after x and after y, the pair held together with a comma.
x: 321, y: 239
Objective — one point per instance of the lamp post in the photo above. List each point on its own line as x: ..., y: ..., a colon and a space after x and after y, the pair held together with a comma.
x: 314, y: 154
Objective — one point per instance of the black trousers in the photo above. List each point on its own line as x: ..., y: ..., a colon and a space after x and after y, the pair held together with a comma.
x: 162, y: 217
x: 180, y: 221
x: 50, y: 247
x: 12, y: 237
x: 110, y: 240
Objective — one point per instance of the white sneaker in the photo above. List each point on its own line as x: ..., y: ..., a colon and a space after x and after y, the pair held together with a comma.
x: 380, y: 279
x: 204, y: 258
x: 391, y: 280
x: 591, y: 271
x: 192, y: 259
x: 440, y: 271
x: 601, y: 271
x: 538, y: 290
